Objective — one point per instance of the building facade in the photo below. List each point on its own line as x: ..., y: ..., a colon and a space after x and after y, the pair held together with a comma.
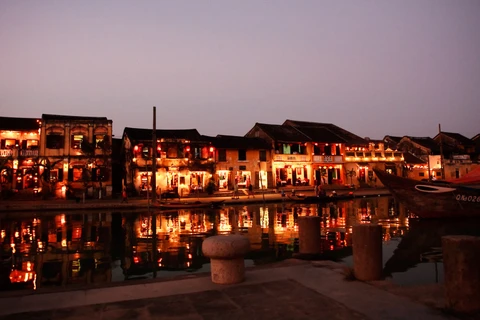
x: 243, y: 161
x: 75, y: 155
x: 19, y: 147
x: 184, y: 159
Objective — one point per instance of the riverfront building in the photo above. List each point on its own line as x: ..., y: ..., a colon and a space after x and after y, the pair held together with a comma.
x: 19, y: 143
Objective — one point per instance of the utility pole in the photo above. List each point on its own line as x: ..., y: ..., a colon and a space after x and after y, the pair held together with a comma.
x: 154, y: 194
x: 441, y: 151
x: 154, y: 157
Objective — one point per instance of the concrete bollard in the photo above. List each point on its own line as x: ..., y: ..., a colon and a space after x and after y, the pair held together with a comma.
x: 226, y: 257
x: 367, y: 252
x: 309, y: 236
x: 461, y: 262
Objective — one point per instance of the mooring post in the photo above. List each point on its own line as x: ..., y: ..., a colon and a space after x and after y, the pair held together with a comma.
x: 367, y: 252
x: 309, y: 235
x: 461, y: 262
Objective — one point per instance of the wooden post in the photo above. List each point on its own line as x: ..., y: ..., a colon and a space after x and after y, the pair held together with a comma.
x: 461, y: 262
x: 309, y: 237
x: 367, y: 252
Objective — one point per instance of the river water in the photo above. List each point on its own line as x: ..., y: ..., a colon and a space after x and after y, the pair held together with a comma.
x: 56, y: 249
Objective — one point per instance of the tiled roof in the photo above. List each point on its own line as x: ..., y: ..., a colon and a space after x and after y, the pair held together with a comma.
x: 320, y: 135
x: 19, y: 124
x: 458, y: 137
x: 426, y: 142
x: 395, y: 139
x: 282, y: 133
x: 412, y: 159
x: 139, y: 134
x: 346, y: 136
x: 237, y: 142
x: 51, y: 117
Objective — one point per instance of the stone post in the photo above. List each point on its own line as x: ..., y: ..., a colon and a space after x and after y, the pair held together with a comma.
x: 461, y: 261
x: 367, y: 252
x: 309, y: 236
x: 226, y: 257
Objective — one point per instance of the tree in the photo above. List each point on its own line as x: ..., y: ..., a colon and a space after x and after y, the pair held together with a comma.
x: 97, y: 160
x: 351, y: 174
x: 44, y: 166
x: 323, y: 175
x: 6, y: 178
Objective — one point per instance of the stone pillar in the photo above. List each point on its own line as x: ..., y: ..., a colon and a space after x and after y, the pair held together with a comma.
x: 461, y: 261
x: 309, y: 236
x: 367, y: 252
x: 226, y: 257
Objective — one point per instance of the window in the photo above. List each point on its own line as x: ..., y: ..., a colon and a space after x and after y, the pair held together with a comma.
x: 350, y: 154
x: 222, y: 155
x: 421, y: 174
x: 30, y: 144
x: 146, y: 151
x: 77, y: 140
x: 9, y: 143
x: 99, y: 174
x: 55, y: 141
x: 77, y: 174
x: 99, y: 141
x: 53, y: 176
x: 262, y: 155
x: 378, y: 154
x: 242, y: 155
x: 172, y: 150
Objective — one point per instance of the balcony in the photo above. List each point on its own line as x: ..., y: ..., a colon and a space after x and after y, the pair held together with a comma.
x: 29, y: 153
x: 290, y: 157
x: 328, y: 159
x: 5, y: 153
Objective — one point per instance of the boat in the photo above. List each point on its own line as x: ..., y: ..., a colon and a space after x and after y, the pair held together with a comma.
x: 423, y: 241
x: 321, y: 198
x: 433, y: 199
x: 190, y: 205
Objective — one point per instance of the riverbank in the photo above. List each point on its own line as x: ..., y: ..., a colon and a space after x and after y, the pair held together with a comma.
x: 268, y: 195
x: 292, y: 289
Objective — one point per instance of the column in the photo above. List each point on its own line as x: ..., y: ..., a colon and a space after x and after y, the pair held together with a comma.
x: 461, y: 261
x: 309, y: 236
x: 367, y: 252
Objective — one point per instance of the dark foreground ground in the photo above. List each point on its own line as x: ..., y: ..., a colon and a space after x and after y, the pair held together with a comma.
x: 293, y: 289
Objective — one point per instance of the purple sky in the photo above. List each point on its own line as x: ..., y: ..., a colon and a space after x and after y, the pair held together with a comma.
x: 372, y: 67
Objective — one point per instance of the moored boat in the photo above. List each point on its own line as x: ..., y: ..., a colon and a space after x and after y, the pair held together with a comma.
x: 433, y: 199
x: 321, y: 198
x: 190, y: 205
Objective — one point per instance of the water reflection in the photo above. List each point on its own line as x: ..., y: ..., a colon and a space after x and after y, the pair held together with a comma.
x: 51, y: 249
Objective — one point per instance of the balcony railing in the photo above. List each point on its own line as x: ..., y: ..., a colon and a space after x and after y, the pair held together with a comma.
x: 328, y: 159
x: 290, y: 157
x: 29, y: 153
x: 4, y: 153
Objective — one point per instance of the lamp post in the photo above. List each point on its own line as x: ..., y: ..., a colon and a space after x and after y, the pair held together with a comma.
x: 260, y: 180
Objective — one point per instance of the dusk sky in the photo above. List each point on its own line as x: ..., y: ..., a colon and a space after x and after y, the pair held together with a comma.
x: 371, y: 67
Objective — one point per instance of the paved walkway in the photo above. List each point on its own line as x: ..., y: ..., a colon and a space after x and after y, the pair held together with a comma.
x: 294, y: 290
x: 140, y: 203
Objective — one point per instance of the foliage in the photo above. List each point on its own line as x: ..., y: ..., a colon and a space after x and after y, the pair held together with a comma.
x: 89, y: 150
x: 351, y: 174
x: 44, y: 166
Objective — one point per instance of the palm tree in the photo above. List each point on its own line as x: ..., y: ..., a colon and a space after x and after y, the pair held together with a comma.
x: 351, y: 174
x: 323, y: 175
x: 89, y: 151
x: 44, y: 166
x: 6, y: 172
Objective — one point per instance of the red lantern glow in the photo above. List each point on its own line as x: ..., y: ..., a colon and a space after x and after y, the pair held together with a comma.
x: 211, y: 149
